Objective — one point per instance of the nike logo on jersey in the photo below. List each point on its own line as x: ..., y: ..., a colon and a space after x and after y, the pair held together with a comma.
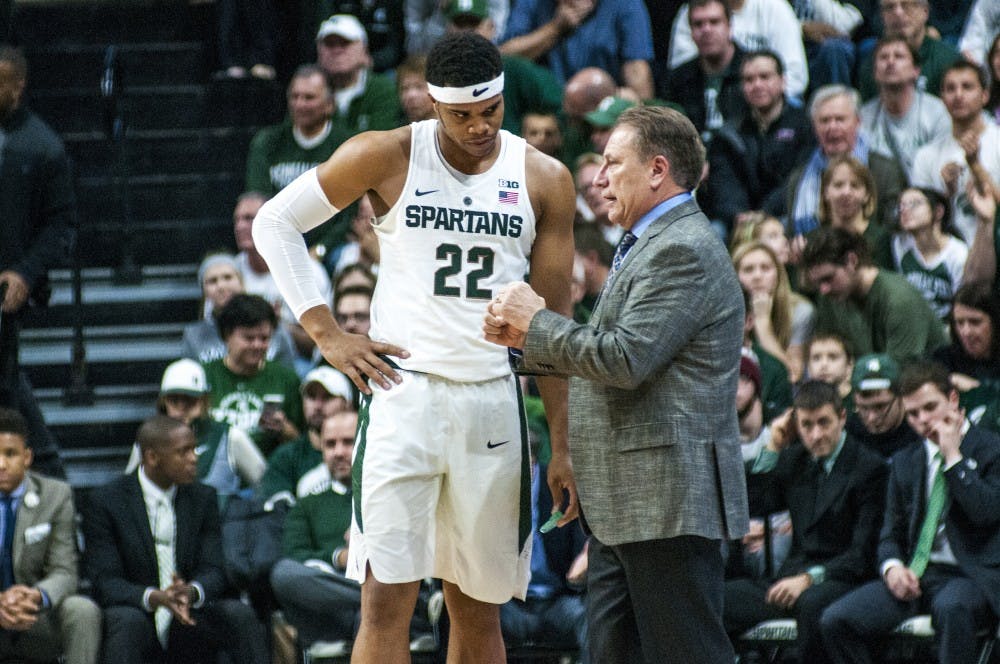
x: 490, y: 444
x: 424, y: 193
x: 476, y: 93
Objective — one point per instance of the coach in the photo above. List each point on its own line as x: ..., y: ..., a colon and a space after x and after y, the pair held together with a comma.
x: 653, y: 433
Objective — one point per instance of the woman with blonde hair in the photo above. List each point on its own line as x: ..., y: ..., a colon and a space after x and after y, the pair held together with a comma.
x: 765, y: 228
x: 783, y: 319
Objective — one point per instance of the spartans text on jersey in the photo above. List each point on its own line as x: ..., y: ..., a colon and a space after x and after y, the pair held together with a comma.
x: 463, y: 221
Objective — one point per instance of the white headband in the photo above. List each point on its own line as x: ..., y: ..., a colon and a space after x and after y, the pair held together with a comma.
x: 470, y: 94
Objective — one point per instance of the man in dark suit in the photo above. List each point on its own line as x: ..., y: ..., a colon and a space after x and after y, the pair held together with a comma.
x: 939, y: 549
x: 653, y: 430
x: 833, y: 488
x: 154, y: 556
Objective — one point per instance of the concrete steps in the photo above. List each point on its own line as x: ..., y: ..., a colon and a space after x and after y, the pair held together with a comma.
x: 158, y: 166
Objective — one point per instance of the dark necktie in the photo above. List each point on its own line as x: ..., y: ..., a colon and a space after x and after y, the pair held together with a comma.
x: 7, y: 560
x: 626, y: 243
x: 616, y: 263
x: 819, y: 470
x: 816, y: 474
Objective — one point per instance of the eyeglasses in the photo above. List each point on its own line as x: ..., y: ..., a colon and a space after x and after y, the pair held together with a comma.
x: 875, y: 410
x: 905, y: 5
x: 909, y: 205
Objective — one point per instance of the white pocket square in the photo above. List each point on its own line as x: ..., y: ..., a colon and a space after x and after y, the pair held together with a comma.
x: 37, y: 533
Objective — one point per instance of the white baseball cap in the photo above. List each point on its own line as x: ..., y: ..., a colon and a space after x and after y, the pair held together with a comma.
x: 342, y: 25
x: 334, y: 382
x: 184, y: 377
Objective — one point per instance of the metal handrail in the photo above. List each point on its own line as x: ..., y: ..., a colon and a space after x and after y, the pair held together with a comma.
x: 112, y: 90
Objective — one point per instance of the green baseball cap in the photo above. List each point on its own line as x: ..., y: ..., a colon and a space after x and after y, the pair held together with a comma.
x: 607, y: 112
x: 477, y: 8
x: 877, y: 371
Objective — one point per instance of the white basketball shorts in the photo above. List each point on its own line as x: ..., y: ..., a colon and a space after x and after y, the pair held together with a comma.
x: 442, y: 486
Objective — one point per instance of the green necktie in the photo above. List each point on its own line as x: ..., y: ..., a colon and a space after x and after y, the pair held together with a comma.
x: 939, y: 492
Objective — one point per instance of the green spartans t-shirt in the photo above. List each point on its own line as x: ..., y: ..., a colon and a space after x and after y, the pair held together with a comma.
x: 239, y: 400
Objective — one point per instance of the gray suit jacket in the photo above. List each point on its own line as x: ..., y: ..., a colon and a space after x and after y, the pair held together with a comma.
x: 653, y: 428
x: 45, y: 539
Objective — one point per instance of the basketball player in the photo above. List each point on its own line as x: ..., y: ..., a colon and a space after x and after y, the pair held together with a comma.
x: 441, y: 486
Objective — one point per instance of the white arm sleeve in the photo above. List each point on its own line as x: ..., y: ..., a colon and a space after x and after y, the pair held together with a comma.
x: 277, y: 234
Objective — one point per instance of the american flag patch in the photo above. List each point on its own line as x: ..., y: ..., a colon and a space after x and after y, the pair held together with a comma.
x: 508, y: 197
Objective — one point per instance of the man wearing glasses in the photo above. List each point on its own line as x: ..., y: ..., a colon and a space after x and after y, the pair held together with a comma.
x: 908, y: 19
x: 878, y: 420
x: 352, y: 309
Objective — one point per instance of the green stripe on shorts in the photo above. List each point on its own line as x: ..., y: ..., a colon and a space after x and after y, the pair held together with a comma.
x: 360, y: 439
x: 524, y: 513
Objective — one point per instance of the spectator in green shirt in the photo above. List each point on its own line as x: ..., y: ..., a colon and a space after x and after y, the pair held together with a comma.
x: 363, y: 100
x: 874, y: 310
x: 296, y: 468
x: 307, y: 137
x: 309, y: 582
x: 247, y: 390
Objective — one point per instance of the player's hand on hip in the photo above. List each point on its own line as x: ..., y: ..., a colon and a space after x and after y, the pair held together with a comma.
x: 362, y: 359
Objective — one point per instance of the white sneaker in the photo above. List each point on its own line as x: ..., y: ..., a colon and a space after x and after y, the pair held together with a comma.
x: 423, y: 643
x: 321, y: 649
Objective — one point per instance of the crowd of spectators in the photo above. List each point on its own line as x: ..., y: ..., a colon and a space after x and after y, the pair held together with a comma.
x: 853, y: 168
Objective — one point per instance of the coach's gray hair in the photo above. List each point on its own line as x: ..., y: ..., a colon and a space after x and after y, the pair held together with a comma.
x: 660, y: 130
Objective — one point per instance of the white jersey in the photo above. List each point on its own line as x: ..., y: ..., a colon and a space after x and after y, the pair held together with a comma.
x: 932, y: 157
x: 446, y: 247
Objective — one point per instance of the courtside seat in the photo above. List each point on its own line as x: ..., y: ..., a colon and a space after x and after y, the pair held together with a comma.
x: 539, y: 653
x: 916, y: 634
x: 912, y: 636
x: 783, y: 630
x: 768, y: 638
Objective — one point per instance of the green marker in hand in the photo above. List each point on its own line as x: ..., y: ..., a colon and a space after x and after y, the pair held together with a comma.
x: 551, y: 523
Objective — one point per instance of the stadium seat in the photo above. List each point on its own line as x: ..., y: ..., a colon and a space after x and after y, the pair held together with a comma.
x: 913, y: 636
